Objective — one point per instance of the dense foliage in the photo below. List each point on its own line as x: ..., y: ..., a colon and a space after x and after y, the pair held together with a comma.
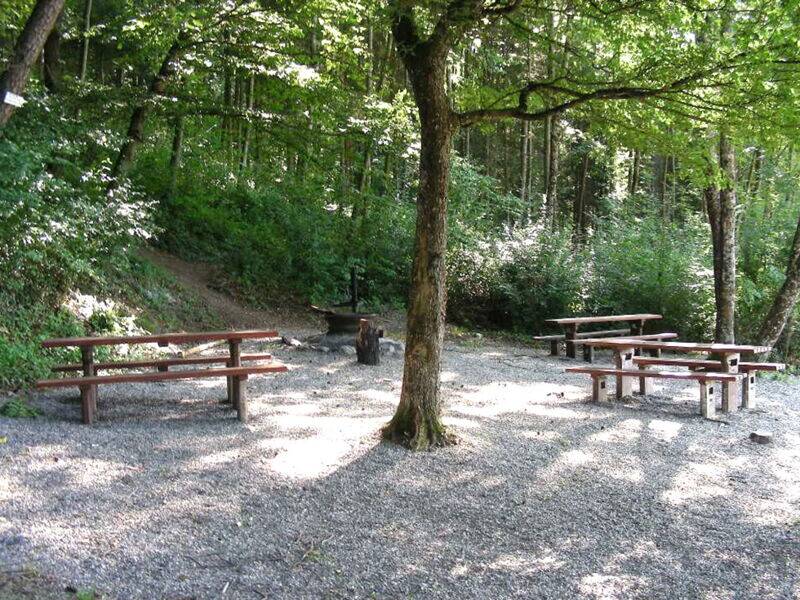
x: 283, y: 148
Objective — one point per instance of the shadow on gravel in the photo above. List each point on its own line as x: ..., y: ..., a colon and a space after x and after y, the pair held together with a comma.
x: 546, y: 496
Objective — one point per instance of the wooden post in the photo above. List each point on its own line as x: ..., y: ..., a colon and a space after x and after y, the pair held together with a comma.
x: 88, y: 392
x: 645, y: 383
x: 730, y: 389
x: 241, y: 405
x: 588, y: 353
x: 623, y: 359
x: 749, y: 390
x: 570, y: 331
x: 599, y: 388
x: 637, y: 327
x: 368, y: 349
x: 235, y: 360
x: 707, y: 400
x: 553, y: 347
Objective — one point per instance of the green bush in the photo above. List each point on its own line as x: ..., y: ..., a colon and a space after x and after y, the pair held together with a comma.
x: 645, y: 265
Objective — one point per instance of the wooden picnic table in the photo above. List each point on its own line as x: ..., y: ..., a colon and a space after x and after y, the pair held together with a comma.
x: 235, y: 372
x: 572, y: 324
x: 728, y: 356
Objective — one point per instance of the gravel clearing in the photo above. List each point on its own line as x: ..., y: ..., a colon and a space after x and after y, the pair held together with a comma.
x: 547, y: 495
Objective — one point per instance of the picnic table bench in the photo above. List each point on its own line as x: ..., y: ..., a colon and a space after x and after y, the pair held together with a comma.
x: 571, y: 326
x: 724, y: 368
x: 234, y: 371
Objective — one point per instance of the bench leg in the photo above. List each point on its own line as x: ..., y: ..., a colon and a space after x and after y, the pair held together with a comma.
x: 730, y: 393
x: 162, y: 368
x: 730, y: 389
x: 707, y: 400
x: 654, y: 352
x: 87, y: 405
x: 645, y: 383
x: 624, y: 360
x: 599, y: 388
x: 241, y: 403
x: 88, y: 392
x: 588, y: 353
x: 553, y: 347
x: 570, y: 334
x: 749, y: 390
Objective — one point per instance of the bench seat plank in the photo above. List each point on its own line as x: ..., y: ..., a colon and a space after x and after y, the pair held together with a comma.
x: 163, y: 362
x: 712, y: 348
x: 607, y: 319
x: 691, y: 376
x: 581, y: 334
x: 667, y: 335
x: 163, y: 339
x: 706, y: 363
x: 165, y: 376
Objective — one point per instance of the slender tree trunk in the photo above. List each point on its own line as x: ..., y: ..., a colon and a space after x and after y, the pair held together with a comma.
x: 176, y: 156
x: 52, y: 59
x: 417, y: 421
x: 27, y: 49
x: 725, y: 265
x: 783, y: 305
x: 248, y: 128
x: 579, y: 205
x: 633, y: 183
x: 523, y: 184
x: 135, y: 134
x: 87, y: 24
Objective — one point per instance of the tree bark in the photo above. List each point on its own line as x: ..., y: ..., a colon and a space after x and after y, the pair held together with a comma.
x: 783, y: 305
x: 722, y: 217
x: 417, y: 421
x: 135, y: 135
x: 87, y: 24
x: 176, y: 156
x: 26, y: 51
x: 579, y: 205
x: 52, y: 59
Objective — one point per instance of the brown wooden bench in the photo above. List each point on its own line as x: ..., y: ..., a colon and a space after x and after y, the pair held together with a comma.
x: 162, y: 364
x: 556, y: 339
x: 588, y: 349
x: 571, y: 325
x: 705, y: 378
x: 234, y: 372
x: 702, y: 364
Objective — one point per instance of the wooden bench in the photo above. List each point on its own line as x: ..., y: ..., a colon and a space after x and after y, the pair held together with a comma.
x: 162, y: 364
x: 588, y: 348
x: 555, y: 340
x: 234, y: 372
x: 727, y: 357
x: 700, y: 364
x: 705, y: 378
x: 571, y: 325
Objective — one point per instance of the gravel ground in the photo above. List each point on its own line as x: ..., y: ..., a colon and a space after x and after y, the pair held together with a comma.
x: 547, y: 495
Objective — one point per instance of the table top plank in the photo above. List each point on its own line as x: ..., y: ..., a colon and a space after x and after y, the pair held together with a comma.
x: 706, y: 348
x: 164, y: 338
x: 606, y: 319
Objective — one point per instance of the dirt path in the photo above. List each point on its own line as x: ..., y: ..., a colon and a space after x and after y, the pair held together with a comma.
x: 200, y: 279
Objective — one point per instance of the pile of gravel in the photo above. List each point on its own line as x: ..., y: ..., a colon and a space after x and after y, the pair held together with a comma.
x: 547, y: 495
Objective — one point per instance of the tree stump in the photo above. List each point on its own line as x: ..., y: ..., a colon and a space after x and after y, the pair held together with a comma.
x: 368, y: 348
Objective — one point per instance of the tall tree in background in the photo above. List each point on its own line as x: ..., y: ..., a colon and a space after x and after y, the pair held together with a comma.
x: 425, y: 33
x: 27, y: 49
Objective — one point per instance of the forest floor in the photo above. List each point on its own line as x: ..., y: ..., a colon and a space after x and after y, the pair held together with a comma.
x: 546, y: 495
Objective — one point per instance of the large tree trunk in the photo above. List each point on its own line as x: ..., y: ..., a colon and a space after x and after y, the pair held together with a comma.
x: 136, y: 127
x: 721, y: 207
x: 786, y: 299
x: 417, y: 423
x: 27, y: 49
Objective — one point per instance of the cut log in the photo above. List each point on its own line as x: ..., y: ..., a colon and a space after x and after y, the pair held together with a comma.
x: 368, y: 349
